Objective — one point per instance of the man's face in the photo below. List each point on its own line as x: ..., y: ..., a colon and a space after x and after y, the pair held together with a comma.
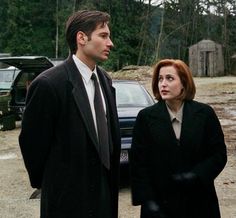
x: 97, y: 47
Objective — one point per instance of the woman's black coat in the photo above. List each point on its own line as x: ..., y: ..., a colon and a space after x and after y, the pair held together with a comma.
x: 59, y: 145
x: 156, y: 155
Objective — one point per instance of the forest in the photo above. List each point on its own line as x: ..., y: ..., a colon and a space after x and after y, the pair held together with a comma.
x: 143, y: 31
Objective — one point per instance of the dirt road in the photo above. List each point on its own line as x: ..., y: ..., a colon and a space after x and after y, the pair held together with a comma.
x: 14, y: 185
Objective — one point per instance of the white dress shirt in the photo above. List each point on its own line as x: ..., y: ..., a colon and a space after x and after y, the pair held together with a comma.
x: 86, y: 74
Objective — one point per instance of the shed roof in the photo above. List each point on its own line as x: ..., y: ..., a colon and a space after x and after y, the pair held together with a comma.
x: 205, y: 42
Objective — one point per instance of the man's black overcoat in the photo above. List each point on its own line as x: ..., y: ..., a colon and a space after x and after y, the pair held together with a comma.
x: 156, y: 155
x: 59, y: 145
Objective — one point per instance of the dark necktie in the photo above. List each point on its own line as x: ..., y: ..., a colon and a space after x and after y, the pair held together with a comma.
x: 102, y: 128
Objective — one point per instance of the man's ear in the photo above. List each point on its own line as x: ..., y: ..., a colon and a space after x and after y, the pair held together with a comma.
x: 81, y: 38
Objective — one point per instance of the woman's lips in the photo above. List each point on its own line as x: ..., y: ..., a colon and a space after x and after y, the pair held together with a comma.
x: 164, y: 92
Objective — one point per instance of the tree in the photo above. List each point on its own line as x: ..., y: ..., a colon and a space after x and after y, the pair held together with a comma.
x: 142, y: 31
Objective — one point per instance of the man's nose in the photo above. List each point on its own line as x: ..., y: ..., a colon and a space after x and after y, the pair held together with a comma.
x: 110, y: 43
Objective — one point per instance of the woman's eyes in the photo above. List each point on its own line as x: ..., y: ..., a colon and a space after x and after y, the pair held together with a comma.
x: 168, y: 78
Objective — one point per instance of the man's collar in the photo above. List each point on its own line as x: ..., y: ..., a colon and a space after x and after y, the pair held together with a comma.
x: 84, y: 70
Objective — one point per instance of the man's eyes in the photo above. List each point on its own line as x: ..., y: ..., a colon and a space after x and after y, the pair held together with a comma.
x: 104, y: 36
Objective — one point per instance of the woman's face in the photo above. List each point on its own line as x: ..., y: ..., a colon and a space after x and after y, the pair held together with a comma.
x: 169, y: 84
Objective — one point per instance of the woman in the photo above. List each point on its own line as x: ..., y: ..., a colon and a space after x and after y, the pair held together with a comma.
x: 178, y: 149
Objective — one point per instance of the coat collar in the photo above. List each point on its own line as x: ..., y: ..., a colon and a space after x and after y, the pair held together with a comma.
x: 82, y: 102
x: 160, y: 122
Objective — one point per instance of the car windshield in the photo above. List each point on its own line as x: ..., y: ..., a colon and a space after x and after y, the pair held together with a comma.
x: 131, y: 95
x: 7, y: 77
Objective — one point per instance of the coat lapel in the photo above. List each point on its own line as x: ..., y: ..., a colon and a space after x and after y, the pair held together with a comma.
x: 107, y: 88
x: 109, y: 95
x: 162, y: 129
x: 81, y: 99
x: 161, y: 125
x: 192, y: 125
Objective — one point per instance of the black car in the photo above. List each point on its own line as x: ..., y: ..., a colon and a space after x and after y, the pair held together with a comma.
x: 29, y: 67
x: 131, y: 97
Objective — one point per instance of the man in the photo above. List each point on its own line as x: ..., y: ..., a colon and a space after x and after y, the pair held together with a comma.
x: 61, y: 135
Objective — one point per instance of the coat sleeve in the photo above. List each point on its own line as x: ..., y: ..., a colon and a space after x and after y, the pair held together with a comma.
x: 37, y: 129
x: 216, y: 154
x: 141, y: 187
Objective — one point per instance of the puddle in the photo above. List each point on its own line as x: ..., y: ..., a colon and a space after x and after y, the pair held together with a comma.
x: 232, y: 112
x: 8, y: 156
x: 226, y: 122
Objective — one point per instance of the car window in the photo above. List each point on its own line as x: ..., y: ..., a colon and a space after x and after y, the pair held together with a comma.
x: 26, y: 78
x: 7, y: 77
x: 22, y: 85
x: 131, y: 95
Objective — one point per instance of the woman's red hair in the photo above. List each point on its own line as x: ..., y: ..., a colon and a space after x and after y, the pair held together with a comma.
x: 185, y: 76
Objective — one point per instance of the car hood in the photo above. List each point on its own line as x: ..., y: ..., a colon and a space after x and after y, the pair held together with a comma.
x: 124, y: 112
x: 28, y: 62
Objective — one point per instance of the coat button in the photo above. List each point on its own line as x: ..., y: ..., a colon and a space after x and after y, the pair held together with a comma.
x: 90, y: 213
x: 92, y: 187
x: 93, y: 161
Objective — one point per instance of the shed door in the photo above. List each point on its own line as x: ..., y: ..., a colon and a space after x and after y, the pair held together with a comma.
x: 207, y: 63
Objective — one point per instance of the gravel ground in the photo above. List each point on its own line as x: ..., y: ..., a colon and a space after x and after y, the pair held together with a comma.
x: 14, y: 184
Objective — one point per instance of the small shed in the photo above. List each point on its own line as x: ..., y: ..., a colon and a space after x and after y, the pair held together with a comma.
x: 206, y: 59
x: 233, y: 65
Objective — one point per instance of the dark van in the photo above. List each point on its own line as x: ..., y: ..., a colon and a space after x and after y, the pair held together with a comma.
x: 28, y: 68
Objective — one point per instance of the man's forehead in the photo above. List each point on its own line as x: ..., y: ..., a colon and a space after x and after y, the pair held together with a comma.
x: 102, y: 27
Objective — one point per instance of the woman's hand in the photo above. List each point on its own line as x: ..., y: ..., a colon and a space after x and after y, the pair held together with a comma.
x: 186, y: 180
x: 151, y: 209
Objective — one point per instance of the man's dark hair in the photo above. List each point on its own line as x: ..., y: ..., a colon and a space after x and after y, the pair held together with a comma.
x: 85, y: 21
